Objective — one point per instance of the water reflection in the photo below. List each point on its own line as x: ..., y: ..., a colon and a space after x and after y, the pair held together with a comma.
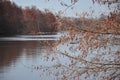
x: 17, y: 58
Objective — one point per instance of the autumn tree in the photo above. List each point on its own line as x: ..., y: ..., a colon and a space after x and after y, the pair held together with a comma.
x: 10, y: 20
x: 51, y: 22
x: 36, y: 21
x: 91, y: 52
x: 29, y: 20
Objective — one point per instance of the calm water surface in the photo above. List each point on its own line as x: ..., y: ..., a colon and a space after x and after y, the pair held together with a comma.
x: 20, y: 56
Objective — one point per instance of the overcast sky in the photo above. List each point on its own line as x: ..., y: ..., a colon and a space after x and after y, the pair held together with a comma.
x: 54, y: 6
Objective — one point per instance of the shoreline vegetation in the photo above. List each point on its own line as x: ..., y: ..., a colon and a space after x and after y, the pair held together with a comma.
x: 15, y: 20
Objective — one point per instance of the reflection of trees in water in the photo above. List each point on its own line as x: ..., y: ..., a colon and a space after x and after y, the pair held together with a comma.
x: 11, y: 51
x: 32, y: 48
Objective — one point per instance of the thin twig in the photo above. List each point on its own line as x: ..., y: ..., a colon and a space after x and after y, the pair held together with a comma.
x: 75, y: 58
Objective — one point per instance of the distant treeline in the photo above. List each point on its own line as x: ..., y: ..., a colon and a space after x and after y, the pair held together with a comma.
x: 16, y: 20
x: 105, y: 24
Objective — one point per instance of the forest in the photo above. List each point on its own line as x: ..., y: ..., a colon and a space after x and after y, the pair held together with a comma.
x: 16, y: 20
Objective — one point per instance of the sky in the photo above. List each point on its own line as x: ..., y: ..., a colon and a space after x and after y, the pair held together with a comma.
x: 54, y: 6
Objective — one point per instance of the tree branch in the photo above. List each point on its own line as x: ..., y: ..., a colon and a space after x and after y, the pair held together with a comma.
x: 85, y: 61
